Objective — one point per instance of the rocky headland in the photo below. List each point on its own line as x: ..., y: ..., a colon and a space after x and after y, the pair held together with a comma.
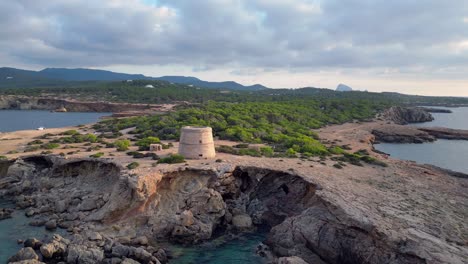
x: 68, y: 105
x: 396, y: 131
x: 315, y: 213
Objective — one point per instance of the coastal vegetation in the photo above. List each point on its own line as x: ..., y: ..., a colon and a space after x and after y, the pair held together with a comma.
x: 284, y: 127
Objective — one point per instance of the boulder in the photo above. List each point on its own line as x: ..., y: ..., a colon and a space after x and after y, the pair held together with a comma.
x: 51, y: 225
x: 242, y: 221
x: 26, y: 253
x: 186, y: 218
x: 94, y: 236
x: 33, y: 243
x: 79, y: 254
x: 141, y: 240
x: 57, y: 247
x: 60, y: 206
x: 5, y: 213
x: 291, y: 260
x: 28, y: 261
x: 121, y: 251
x: 88, y: 204
x: 129, y: 261
x: 30, y: 212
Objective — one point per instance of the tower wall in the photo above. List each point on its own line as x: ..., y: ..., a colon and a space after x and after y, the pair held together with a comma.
x: 197, y: 143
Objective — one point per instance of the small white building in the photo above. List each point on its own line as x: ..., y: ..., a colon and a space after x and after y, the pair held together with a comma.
x: 149, y: 86
x: 155, y: 147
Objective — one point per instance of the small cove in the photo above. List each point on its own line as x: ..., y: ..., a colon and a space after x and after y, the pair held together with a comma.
x: 17, y: 227
x: 448, y: 154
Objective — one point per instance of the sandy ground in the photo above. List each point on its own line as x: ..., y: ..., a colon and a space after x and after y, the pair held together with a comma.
x: 400, y: 198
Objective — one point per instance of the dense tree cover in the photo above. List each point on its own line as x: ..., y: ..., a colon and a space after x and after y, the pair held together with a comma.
x: 166, y: 92
x: 286, y: 126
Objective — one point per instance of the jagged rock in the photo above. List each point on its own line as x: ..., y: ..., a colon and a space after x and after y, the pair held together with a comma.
x: 57, y: 247
x: 121, y: 251
x: 94, y: 236
x: 30, y: 212
x: 144, y: 256
x: 161, y: 255
x: 5, y: 213
x: 242, y: 221
x: 60, y: 206
x: 129, y: 261
x: 33, y: 243
x: 141, y: 240
x: 26, y: 253
x: 186, y: 218
x: 78, y: 254
x: 405, y: 115
x: 88, y: 204
x: 51, y: 225
x: 291, y: 260
x: 28, y: 261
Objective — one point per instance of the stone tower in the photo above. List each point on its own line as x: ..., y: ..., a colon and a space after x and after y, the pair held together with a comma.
x: 196, y: 143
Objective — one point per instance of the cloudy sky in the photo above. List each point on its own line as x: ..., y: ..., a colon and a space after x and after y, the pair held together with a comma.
x: 411, y: 46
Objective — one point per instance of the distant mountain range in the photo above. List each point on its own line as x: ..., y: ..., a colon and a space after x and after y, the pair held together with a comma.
x: 55, y: 76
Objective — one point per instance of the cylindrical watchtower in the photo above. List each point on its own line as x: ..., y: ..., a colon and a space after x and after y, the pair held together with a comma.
x: 196, y: 143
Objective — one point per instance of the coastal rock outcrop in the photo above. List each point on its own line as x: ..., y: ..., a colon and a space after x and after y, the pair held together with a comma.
x: 62, y: 105
x: 405, y: 115
x: 188, y: 205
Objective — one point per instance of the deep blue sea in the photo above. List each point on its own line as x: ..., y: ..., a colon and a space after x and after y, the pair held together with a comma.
x: 13, y: 120
x: 449, y: 154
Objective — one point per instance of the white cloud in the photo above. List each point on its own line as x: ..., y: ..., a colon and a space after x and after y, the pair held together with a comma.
x: 241, y: 37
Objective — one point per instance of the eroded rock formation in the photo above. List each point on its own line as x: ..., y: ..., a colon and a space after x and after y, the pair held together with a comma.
x: 405, y: 115
x: 116, y: 216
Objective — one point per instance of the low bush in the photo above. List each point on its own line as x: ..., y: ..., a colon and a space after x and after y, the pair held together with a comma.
x: 133, y: 165
x: 122, y: 145
x: 172, y: 159
x: 97, y: 155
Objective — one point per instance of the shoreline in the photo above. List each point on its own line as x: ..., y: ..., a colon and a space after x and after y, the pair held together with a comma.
x: 378, y: 200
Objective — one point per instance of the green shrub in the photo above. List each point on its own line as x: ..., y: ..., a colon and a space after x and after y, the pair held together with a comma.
x: 97, y: 155
x: 226, y: 149
x: 338, y: 166
x: 336, y: 150
x: 133, y: 165
x: 122, y: 145
x: 144, y: 144
x: 32, y: 148
x: 172, y: 159
x: 291, y: 153
x: 46, y: 152
x: 3, y: 158
x: 36, y: 142
x: 70, y: 133
x: 267, y: 151
x: 91, y: 138
x: 249, y: 152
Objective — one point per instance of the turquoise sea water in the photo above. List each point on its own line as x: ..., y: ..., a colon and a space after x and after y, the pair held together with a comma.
x: 239, y: 250
x: 449, y: 154
x: 15, y: 228
x: 12, y: 120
